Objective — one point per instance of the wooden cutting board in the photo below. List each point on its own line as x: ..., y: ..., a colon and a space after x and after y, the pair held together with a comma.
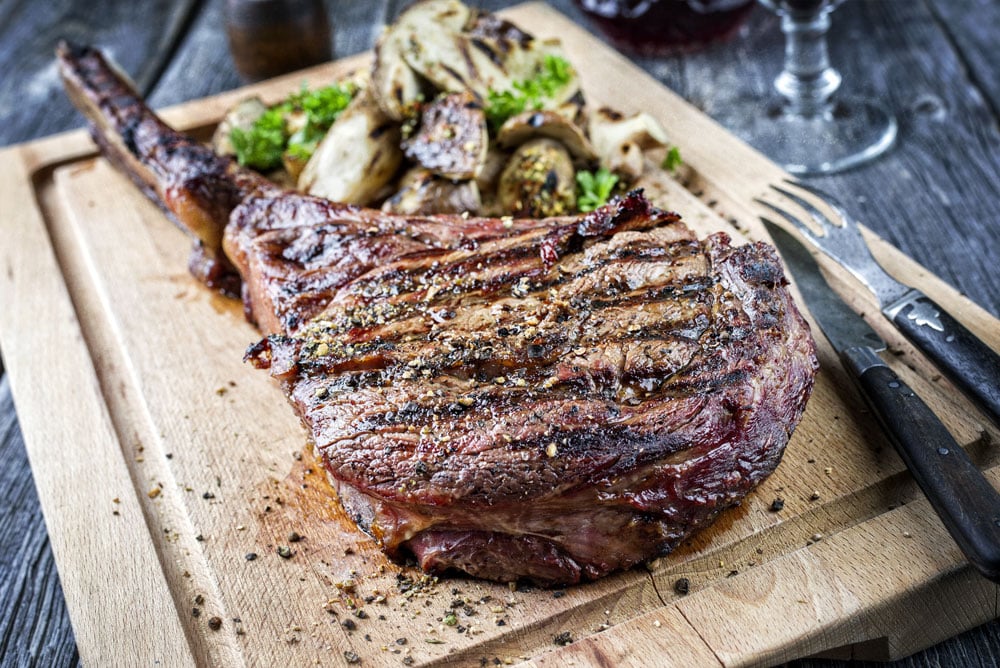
x: 163, y: 463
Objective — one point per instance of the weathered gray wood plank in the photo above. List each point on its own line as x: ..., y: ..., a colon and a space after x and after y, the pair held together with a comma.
x: 974, y: 28
x: 202, y: 65
x: 34, y: 624
x: 140, y: 36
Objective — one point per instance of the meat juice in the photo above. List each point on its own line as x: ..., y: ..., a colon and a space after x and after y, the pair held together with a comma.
x: 665, y: 27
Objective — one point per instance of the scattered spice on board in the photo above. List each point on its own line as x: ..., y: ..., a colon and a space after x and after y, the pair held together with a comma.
x: 153, y: 493
x: 215, y: 623
x: 294, y: 537
x: 563, y: 638
x: 351, y: 657
x: 251, y: 556
x: 814, y: 496
x: 285, y: 552
x: 777, y: 505
x: 682, y: 586
x: 349, y: 624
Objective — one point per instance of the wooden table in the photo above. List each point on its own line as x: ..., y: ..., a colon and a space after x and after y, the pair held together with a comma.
x: 934, y: 196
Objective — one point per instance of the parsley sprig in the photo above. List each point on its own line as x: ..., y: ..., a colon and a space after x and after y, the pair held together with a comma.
x: 672, y: 160
x: 594, y: 188
x: 554, y: 74
x: 264, y: 144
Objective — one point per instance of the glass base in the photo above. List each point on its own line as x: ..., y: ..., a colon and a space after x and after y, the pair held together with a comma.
x: 850, y: 133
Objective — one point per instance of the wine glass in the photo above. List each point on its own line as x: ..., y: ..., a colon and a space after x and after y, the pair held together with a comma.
x: 812, y: 131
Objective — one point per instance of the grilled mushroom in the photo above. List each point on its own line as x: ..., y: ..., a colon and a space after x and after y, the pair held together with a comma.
x: 619, y: 141
x: 422, y: 192
x: 242, y: 116
x: 357, y: 157
x: 452, y: 48
x: 531, y: 124
x: 452, y: 138
x: 538, y: 181
x: 395, y: 82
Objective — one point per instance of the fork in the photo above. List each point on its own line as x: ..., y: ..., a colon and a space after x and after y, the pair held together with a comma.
x: 970, y: 364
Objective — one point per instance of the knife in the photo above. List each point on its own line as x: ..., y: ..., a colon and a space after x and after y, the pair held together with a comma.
x: 968, y: 362
x: 966, y: 502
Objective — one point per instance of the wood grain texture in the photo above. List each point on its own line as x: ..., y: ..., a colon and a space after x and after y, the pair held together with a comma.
x: 970, y: 26
x: 140, y: 36
x: 34, y: 624
x: 79, y: 439
x: 967, y: 182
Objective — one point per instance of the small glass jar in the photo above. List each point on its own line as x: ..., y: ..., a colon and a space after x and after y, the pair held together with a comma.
x: 272, y: 37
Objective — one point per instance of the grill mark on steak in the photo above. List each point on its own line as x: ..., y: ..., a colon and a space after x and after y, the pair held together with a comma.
x: 543, y: 399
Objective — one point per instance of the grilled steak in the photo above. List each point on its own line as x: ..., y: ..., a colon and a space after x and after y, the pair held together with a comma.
x: 546, y: 399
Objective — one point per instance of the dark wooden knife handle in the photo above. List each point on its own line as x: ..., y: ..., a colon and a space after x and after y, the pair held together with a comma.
x: 970, y: 364
x: 966, y: 502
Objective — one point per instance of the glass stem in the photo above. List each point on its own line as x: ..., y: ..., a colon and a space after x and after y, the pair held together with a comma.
x: 808, y: 81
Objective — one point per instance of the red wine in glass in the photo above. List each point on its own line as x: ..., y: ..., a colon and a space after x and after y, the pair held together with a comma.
x: 664, y: 27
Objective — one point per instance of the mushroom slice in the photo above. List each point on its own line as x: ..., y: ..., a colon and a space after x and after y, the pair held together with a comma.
x: 489, y: 177
x: 396, y: 85
x: 424, y: 193
x: 242, y: 116
x: 531, y: 124
x: 452, y: 138
x: 357, y: 157
x: 538, y: 181
x: 486, y: 53
x: 619, y: 141
x: 505, y: 54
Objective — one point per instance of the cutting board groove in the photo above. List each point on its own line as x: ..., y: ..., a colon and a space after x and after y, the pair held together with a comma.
x: 183, y: 461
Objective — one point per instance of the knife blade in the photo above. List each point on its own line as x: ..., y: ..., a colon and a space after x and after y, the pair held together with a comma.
x: 966, y: 502
x: 965, y: 359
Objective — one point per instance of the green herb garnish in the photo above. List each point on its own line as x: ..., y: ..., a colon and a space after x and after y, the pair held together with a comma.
x: 531, y: 93
x: 322, y: 107
x: 672, y: 160
x: 594, y: 188
x: 264, y: 144
x: 261, y: 146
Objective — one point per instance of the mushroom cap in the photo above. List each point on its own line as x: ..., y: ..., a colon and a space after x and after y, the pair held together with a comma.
x: 452, y: 139
x: 527, y: 125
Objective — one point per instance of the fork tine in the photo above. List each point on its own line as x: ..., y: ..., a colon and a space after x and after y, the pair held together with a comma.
x: 813, y: 212
x: 831, y: 201
x: 799, y: 225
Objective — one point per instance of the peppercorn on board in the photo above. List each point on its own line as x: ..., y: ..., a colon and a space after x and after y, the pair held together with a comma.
x: 191, y: 524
